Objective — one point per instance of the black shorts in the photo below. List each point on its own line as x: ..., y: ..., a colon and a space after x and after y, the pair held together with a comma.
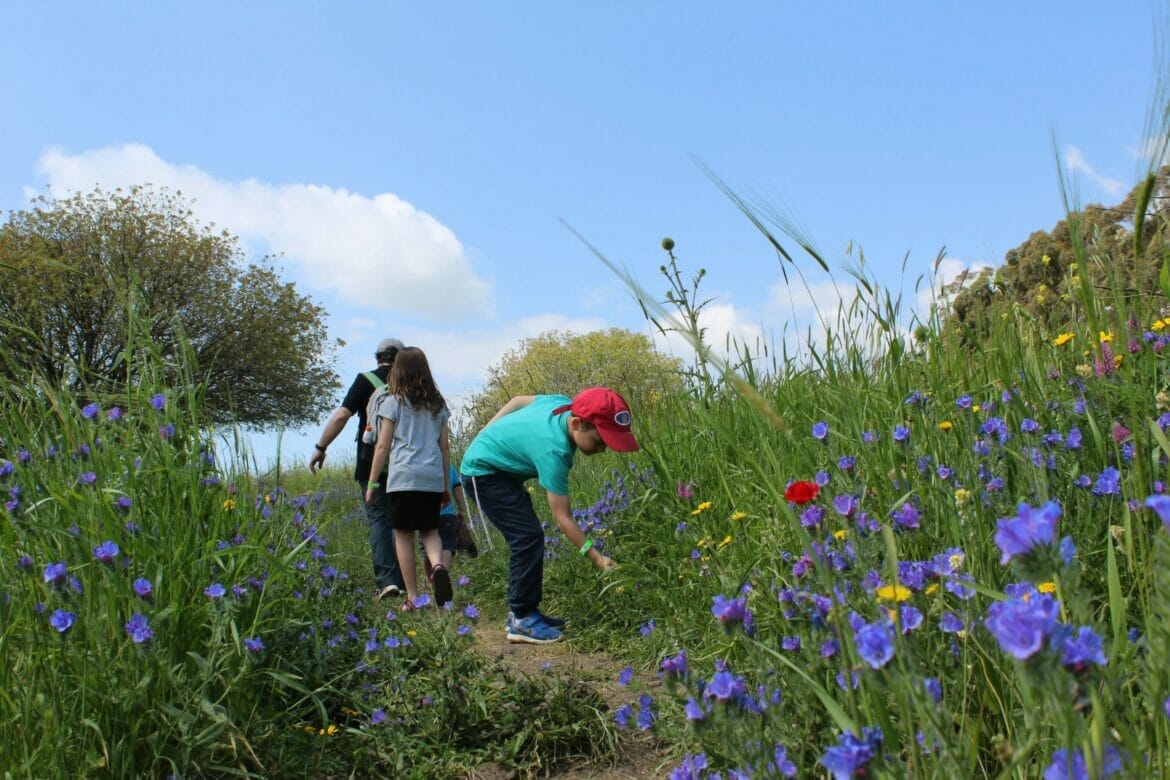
x: 414, y: 510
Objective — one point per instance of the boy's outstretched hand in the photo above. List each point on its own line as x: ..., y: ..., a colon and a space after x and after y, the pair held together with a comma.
x: 605, y: 563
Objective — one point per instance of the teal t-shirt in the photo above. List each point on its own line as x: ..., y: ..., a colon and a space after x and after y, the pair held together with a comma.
x: 529, y: 442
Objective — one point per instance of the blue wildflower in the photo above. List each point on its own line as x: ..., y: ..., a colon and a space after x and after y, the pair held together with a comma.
x: 62, y: 620
x: 139, y: 629
x: 875, y: 644
x: 106, y: 552
x: 214, y: 591
x: 852, y: 753
x: 1022, y: 624
x: 1081, y: 648
x: 1030, y: 527
x: 55, y: 573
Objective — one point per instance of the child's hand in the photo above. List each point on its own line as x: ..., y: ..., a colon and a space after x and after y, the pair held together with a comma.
x: 370, y: 496
x: 606, y: 564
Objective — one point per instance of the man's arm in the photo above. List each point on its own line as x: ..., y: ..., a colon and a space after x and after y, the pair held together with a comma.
x: 564, y: 516
x: 333, y: 426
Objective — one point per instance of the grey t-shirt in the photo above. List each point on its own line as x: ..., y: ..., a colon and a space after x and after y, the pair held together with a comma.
x: 416, y: 462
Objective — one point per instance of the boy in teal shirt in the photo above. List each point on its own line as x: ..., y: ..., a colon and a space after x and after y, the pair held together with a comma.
x: 537, y: 436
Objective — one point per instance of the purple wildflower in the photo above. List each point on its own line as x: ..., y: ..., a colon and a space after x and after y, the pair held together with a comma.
x: 875, y: 644
x: 254, y: 644
x: 143, y: 588
x: 852, y: 753
x: 1022, y: 624
x: 1072, y: 764
x: 1030, y: 527
x: 62, y: 620
x: 139, y: 629
x: 1082, y: 648
x: 676, y: 665
x: 820, y: 430
x: 214, y: 591
x: 159, y: 402
x: 55, y: 573
x: 106, y: 552
x: 1161, y: 506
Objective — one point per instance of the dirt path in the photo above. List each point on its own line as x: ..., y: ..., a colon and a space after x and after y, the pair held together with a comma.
x: 640, y: 756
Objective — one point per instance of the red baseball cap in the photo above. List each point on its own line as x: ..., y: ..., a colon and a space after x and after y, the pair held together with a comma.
x: 608, y: 412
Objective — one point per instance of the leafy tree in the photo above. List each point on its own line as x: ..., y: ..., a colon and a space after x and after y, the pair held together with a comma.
x: 558, y: 362
x: 1042, y: 274
x: 75, y: 272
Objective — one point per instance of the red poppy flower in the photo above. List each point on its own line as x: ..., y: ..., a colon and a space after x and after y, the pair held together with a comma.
x: 802, y: 492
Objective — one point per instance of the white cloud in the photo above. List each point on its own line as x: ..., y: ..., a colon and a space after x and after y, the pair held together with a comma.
x: 1074, y: 160
x: 375, y: 251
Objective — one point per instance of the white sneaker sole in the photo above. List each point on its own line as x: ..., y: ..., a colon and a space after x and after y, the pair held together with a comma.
x: 531, y: 640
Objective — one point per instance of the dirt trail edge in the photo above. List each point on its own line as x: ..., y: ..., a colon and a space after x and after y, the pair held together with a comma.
x: 641, y: 757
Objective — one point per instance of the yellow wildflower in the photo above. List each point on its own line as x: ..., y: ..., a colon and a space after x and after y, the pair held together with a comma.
x: 893, y: 593
x: 229, y: 505
x: 1046, y: 260
x: 1084, y: 370
x: 726, y: 541
x: 1104, y: 336
x: 701, y: 508
x: 945, y: 425
x: 841, y: 535
x: 1157, y: 326
x: 975, y: 408
x: 1117, y: 360
x: 412, y: 633
x: 892, y: 614
x: 739, y: 515
x: 1047, y: 587
x: 328, y: 731
x: 962, y: 496
x: 703, y: 541
x: 1062, y: 339
x: 931, y: 589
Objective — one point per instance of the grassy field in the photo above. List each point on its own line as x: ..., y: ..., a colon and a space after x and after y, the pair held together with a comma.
x: 893, y: 557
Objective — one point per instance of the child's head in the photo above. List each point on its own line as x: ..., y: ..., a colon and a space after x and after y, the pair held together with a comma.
x: 411, y: 379
x: 600, y: 418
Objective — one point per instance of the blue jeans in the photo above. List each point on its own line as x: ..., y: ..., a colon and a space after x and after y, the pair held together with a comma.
x: 386, y: 571
x: 509, y: 508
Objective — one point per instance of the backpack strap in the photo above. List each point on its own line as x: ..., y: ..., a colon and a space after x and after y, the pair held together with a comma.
x: 375, y: 380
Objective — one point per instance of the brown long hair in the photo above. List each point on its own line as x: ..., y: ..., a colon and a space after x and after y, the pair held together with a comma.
x: 411, y: 380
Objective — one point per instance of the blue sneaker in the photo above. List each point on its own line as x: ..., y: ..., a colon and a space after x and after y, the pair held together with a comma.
x: 532, y: 630
x: 549, y: 620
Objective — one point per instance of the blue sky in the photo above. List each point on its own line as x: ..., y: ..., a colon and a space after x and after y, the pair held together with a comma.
x: 413, y: 162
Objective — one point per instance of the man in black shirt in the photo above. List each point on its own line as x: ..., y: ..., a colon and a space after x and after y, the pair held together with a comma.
x: 387, y: 576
